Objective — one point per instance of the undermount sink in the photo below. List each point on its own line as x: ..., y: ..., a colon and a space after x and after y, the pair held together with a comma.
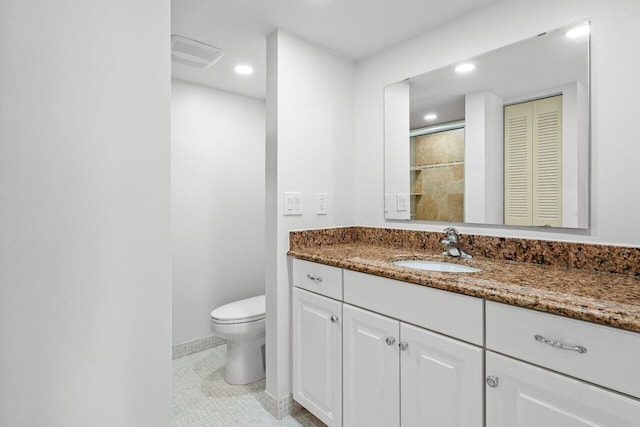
x: 436, y: 266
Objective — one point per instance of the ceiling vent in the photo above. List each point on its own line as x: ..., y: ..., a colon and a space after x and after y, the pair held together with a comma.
x: 193, y: 53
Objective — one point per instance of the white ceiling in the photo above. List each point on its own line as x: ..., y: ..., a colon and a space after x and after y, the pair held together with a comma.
x: 352, y: 28
x: 533, y: 65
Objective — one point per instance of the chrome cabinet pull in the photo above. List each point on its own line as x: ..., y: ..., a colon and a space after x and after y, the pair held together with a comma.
x: 556, y: 344
x: 390, y: 340
x: 314, y: 278
x: 403, y: 345
x: 334, y: 318
x: 492, y: 381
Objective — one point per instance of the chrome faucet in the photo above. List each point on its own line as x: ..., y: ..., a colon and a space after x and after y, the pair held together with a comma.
x: 451, y: 244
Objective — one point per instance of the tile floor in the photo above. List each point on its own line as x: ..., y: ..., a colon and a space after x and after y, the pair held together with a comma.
x: 201, y: 397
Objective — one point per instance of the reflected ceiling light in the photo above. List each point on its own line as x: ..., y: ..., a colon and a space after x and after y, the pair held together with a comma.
x: 245, y: 70
x: 465, y: 68
x: 430, y: 117
x: 579, y: 31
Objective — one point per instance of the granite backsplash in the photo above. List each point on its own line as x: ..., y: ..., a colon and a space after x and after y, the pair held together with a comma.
x: 601, y: 258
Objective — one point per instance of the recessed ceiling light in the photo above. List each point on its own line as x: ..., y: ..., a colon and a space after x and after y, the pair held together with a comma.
x: 465, y: 68
x: 245, y: 70
x: 579, y: 31
x: 430, y: 117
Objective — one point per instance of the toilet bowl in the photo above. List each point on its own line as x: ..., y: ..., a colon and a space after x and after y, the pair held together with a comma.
x: 241, y: 323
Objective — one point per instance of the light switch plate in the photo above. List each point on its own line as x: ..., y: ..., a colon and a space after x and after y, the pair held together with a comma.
x: 321, y: 198
x: 403, y: 202
x: 292, y: 203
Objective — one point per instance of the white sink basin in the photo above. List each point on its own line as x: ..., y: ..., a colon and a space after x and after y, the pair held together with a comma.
x: 436, y: 266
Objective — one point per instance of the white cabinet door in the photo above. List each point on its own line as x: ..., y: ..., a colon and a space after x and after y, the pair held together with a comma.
x: 371, y: 369
x: 528, y: 396
x: 442, y: 380
x: 317, y: 355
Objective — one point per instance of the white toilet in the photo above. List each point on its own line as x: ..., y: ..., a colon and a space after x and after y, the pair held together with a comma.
x: 241, y: 323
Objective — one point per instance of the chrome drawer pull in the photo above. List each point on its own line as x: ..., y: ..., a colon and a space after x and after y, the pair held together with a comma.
x: 334, y: 319
x: 314, y: 278
x: 390, y: 340
x: 556, y: 344
x: 403, y: 345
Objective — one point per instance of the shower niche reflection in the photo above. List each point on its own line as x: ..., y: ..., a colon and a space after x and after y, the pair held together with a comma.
x: 437, y: 175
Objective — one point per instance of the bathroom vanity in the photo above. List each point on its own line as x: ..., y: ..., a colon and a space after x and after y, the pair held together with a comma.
x: 515, y: 344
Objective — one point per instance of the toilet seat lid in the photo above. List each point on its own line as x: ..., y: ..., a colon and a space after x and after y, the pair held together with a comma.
x: 245, y: 310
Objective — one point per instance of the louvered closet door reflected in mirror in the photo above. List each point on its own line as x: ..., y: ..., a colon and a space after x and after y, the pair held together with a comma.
x: 533, y: 163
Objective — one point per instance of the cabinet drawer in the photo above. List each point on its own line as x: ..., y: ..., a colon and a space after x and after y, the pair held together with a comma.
x: 452, y: 314
x: 612, y: 356
x: 318, y: 278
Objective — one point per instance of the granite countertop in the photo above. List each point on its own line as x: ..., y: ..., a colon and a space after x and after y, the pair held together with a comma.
x: 605, y: 298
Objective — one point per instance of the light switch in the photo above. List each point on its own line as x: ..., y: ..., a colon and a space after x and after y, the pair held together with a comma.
x: 292, y: 203
x: 322, y: 203
x: 403, y: 202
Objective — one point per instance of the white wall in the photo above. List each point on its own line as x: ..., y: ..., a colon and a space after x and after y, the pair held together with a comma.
x: 575, y: 111
x: 85, y: 263
x: 483, y: 158
x: 397, y: 151
x: 310, y: 149
x: 615, y: 89
x: 217, y: 203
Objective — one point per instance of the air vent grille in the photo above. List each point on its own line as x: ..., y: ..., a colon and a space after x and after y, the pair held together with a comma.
x: 194, y: 53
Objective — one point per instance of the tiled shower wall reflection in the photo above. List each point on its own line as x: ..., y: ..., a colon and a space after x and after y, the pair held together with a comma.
x: 438, y: 176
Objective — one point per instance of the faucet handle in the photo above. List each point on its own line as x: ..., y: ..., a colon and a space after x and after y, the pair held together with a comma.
x: 451, y: 231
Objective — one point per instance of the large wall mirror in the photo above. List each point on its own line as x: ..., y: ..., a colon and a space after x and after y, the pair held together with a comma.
x: 501, y: 138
